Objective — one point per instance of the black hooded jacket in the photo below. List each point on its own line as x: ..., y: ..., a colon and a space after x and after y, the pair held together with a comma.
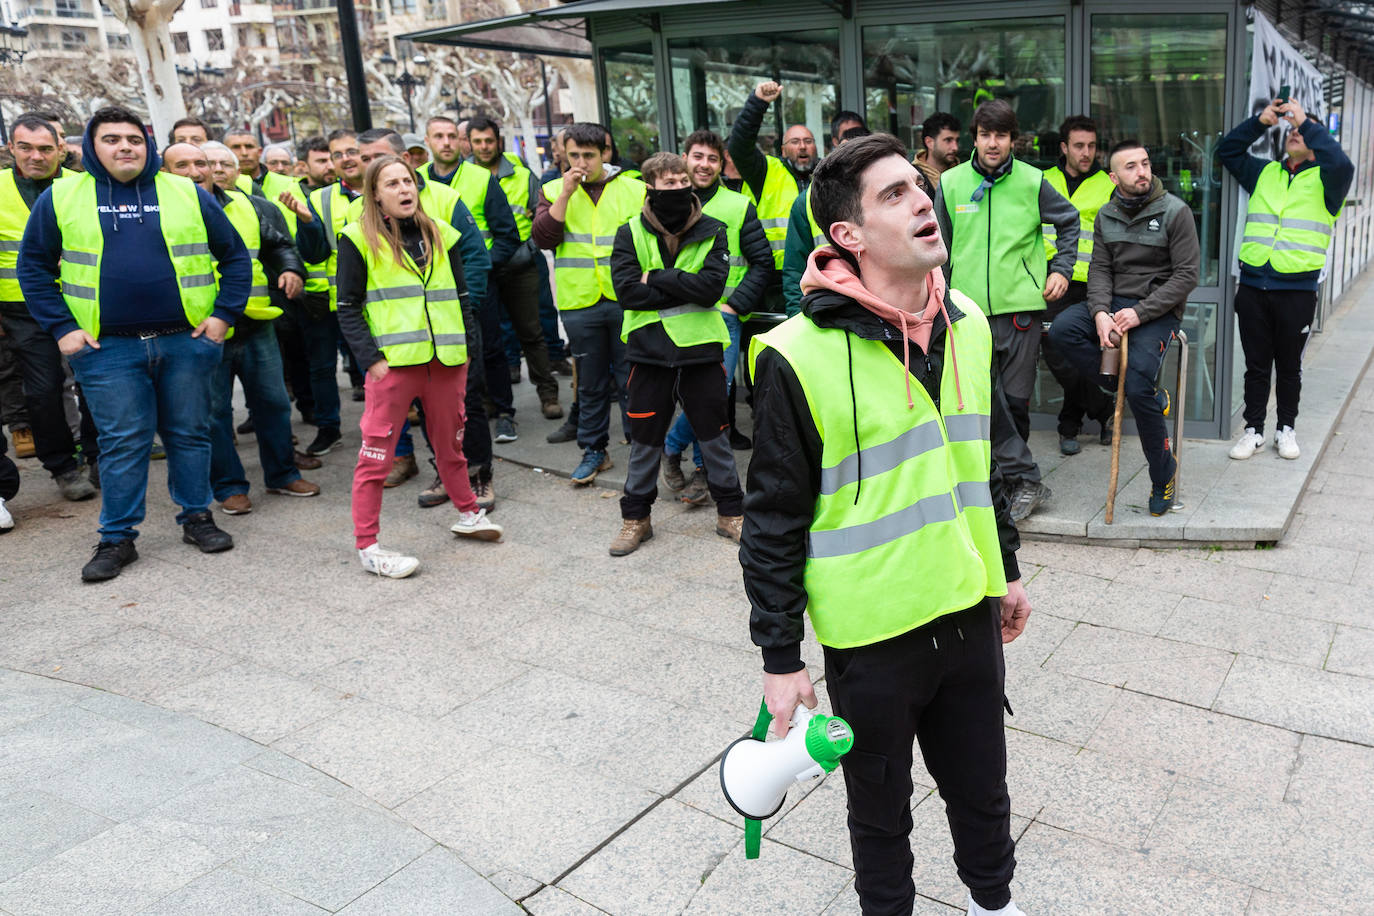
x: 785, y: 475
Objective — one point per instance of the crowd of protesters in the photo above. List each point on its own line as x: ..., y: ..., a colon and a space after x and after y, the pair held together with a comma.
x: 137, y: 285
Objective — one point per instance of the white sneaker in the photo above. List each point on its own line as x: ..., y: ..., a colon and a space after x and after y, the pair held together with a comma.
x: 387, y: 563
x: 1287, y: 442
x: 6, y: 520
x: 1009, y: 910
x: 476, y: 525
x: 1249, y: 443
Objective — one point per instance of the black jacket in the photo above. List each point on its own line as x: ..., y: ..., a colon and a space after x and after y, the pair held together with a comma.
x: 753, y: 244
x: 743, y: 146
x: 667, y: 288
x: 785, y: 476
x: 276, y: 249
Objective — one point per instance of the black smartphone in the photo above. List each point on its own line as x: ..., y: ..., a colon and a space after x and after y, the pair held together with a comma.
x: 1284, y: 93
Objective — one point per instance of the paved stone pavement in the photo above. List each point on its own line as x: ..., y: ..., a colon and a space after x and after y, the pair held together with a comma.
x: 534, y: 724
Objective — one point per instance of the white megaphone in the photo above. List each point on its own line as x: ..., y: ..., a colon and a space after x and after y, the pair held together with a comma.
x: 755, y: 775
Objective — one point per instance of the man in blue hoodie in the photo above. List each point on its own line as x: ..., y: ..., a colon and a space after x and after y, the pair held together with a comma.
x: 118, y: 264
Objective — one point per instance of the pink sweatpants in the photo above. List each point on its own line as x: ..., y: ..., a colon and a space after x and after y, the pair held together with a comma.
x: 442, y: 390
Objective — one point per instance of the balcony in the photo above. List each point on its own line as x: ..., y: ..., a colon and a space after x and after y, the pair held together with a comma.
x: 63, y: 11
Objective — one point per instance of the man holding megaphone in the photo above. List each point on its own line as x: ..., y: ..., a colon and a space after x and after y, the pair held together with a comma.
x: 873, y: 505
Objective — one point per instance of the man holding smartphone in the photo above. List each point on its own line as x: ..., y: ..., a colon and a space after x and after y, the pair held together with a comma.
x: 1288, y: 223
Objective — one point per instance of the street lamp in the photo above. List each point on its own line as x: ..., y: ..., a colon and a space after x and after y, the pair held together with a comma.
x: 14, y: 43
x: 407, y: 81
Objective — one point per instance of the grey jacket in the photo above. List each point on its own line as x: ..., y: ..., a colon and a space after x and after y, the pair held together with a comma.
x: 1150, y: 254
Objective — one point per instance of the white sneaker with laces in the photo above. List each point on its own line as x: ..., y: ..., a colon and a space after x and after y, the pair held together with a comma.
x: 1010, y: 909
x: 1249, y: 443
x: 6, y: 520
x: 387, y: 563
x: 1286, y: 440
x: 476, y: 525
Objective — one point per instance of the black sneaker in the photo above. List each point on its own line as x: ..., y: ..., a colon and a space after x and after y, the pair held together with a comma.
x: 109, y: 558
x: 739, y: 441
x: 1105, y: 437
x: 358, y: 394
x: 565, y: 433
x: 245, y: 427
x: 505, y: 430
x: 1068, y: 445
x: 1162, y: 498
x: 200, y: 529
x: 326, y: 440
x: 515, y: 374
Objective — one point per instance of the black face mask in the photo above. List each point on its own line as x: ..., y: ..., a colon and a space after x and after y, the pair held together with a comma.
x: 672, y: 207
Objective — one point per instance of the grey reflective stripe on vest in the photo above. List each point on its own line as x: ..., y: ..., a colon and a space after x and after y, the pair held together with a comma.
x: 968, y: 427
x: 317, y: 274
x: 253, y: 253
x: 9, y: 273
x: 402, y: 337
x: 191, y: 281
x: 1263, y: 218
x: 684, y: 310
x: 777, y: 222
x: 1288, y: 222
x: 777, y: 244
x: 518, y: 210
x: 578, y: 238
x: 573, y: 262
x: 974, y: 494
x: 1258, y: 240
x: 78, y: 292
x: 486, y: 235
x: 1285, y: 245
x: 450, y: 340
x: 327, y: 218
x: 738, y: 261
x: 441, y: 295
x: 395, y: 292
x: 258, y: 291
x: 858, y: 538
x: 189, y: 249
x: 85, y: 258
x: 881, y: 458
x: 11, y: 245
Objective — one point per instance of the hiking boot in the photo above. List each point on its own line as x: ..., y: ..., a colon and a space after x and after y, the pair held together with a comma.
x: 236, y: 504
x: 433, y: 495
x: 551, y: 409
x: 477, y: 526
x: 245, y: 427
x: 108, y: 559
x: 1162, y: 498
x: 697, y: 493
x: 1286, y: 441
x: 561, y: 367
x: 387, y: 563
x: 1068, y: 445
x: 672, y: 471
x: 486, y: 496
x: 6, y: 520
x: 1027, y: 498
x: 73, y: 486
x: 633, y: 532
x: 326, y: 440
x: 23, y: 443
x: 1105, y: 436
x: 297, y: 487
x: 593, y: 462
x: 402, y: 469
x: 200, y: 529
x: 505, y: 430
x: 730, y: 526
x: 306, y: 462
x: 1248, y: 443
x: 565, y: 433
x: 515, y: 373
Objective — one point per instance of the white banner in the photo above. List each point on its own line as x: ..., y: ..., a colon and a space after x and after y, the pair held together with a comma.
x: 1276, y: 64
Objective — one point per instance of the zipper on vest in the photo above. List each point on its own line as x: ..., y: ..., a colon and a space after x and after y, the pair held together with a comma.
x: 987, y: 265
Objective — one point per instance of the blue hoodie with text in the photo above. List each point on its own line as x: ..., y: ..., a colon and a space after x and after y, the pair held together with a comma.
x: 138, y: 285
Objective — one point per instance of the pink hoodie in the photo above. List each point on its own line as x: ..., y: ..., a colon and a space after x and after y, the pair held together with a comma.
x: 826, y: 269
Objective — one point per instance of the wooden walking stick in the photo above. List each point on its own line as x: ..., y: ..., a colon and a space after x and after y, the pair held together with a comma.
x: 1116, y: 426
x: 1180, y: 409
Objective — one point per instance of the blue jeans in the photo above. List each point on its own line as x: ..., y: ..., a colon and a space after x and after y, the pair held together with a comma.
x: 136, y: 388
x: 321, y: 339
x: 255, y: 358
x: 681, y: 435
x: 594, y: 335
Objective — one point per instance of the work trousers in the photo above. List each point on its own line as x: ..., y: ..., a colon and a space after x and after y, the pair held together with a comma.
x: 594, y: 336
x: 700, y: 389
x: 548, y: 320
x: 1016, y: 344
x: 13, y: 413
x: 316, y: 332
x: 1082, y: 396
x: 515, y: 295
x: 1074, y: 334
x: 40, y: 363
x: 441, y: 390
x: 1274, y: 327
x: 253, y: 356
x: 941, y: 685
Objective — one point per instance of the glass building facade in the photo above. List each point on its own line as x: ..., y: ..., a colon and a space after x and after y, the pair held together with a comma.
x: 1171, y: 74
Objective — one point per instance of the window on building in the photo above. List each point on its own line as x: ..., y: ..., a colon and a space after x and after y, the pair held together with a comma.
x: 713, y: 76
x: 74, y: 39
x: 436, y: 10
x: 914, y: 70
x: 628, y: 73
x: 402, y: 7
x: 181, y: 42
x: 71, y: 9
x: 214, y: 39
x: 119, y: 41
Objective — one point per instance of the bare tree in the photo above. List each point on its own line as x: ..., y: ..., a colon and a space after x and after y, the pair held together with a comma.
x: 150, y: 36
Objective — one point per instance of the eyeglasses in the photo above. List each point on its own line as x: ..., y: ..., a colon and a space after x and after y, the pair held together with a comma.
x: 338, y: 155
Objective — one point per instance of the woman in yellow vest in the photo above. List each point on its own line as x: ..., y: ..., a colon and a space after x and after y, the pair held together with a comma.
x: 401, y: 297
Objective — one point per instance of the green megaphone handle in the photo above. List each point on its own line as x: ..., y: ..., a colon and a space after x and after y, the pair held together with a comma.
x: 753, y: 829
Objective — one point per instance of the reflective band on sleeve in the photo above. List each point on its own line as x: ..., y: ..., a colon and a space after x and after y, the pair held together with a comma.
x: 78, y: 292
x: 974, y: 494
x: 189, y: 249
x: 401, y: 337
x: 574, y: 262
x: 450, y: 340
x: 191, y: 281
x: 578, y: 238
x: 395, y: 292
x: 10, y: 245
x: 858, y: 538
x: 881, y: 458
x: 968, y: 427
x: 85, y: 258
